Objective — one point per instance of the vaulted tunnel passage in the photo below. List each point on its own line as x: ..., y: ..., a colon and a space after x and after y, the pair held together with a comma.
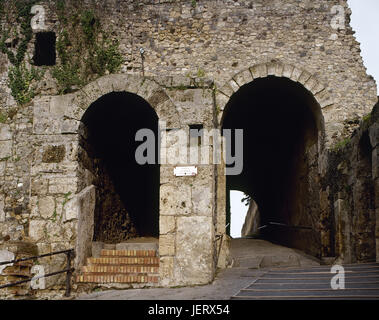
x: 127, y: 194
x: 281, y: 122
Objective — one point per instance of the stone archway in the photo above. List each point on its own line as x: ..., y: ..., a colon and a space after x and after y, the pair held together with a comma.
x: 127, y: 193
x: 242, y: 89
x: 70, y: 110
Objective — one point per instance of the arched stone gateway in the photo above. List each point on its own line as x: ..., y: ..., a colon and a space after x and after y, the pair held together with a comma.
x: 276, y: 104
x: 111, y: 104
x: 207, y: 66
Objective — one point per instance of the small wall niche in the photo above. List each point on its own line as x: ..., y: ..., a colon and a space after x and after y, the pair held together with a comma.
x: 44, y: 51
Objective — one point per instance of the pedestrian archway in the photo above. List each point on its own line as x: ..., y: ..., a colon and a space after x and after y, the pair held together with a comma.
x: 281, y: 121
x: 127, y: 193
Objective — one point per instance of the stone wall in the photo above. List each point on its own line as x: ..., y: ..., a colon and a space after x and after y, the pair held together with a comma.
x: 196, y: 55
x: 349, y: 195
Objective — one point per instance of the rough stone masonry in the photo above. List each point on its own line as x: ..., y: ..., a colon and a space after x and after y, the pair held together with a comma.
x: 193, y: 63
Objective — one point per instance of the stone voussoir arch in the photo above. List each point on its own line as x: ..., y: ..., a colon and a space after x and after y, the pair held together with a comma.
x: 273, y: 68
x: 144, y: 87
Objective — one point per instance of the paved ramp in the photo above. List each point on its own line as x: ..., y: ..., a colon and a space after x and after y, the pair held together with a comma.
x: 314, y: 283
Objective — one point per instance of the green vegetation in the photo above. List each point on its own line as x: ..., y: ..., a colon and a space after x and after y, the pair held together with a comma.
x: 20, y: 81
x: 84, y: 49
x: 18, y: 34
x: 341, y: 145
x: 3, y: 117
x: 66, y: 198
x: 366, y: 118
x: 200, y: 73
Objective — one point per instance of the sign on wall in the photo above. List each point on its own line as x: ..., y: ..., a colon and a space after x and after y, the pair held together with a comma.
x: 185, y: 171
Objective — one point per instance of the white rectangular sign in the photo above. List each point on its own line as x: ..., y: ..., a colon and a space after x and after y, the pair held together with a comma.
x: 185, y: 171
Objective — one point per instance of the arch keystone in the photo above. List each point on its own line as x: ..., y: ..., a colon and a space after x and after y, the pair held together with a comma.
x: 271, y: 68
x: 259, y: 71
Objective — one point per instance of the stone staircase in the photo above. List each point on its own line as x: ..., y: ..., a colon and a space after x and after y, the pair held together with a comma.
x: 127, y: 264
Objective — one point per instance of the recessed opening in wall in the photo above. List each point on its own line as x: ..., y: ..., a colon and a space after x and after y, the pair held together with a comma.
x: 238, y: 211
x: 196, y: 133
x: 127, y: 193
x: 280, y: 121
x: 44, y: 50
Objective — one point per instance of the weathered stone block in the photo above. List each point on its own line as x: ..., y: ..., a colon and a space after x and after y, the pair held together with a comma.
x: 62, y: 185
x: 296, y: 73
x: 46, y: 206
x: 6, y: 255
x: 221, y: 101
x: 37, y: 230
x: 234, y: 85
x: 194, y: 247
x: 53, y: 154
x: 227, y: 90
x: 166, y: 271
x: 202, y: 201
x: 5, y: 149
x: 175, y: 200
x: 304, y: 77
x: 83, y: 207
x: 5, y: 132
x: 180, y: 81
x: 167, y: 245
x: 61, y: 105
x: 243, y: 77
x: 167, y: 224
x: 79, y: 204
x: 39, y: 185
x: 259, y: 71
x: 287, y: 71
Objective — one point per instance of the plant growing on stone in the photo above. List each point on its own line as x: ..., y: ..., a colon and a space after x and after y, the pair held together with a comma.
x: 15, y: 37
x: 85, y: 50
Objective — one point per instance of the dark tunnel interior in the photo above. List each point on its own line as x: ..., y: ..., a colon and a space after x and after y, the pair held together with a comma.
x: 280, y: 121
x: 112, y: 122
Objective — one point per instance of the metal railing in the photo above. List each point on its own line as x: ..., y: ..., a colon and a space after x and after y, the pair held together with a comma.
x: 219, y: 237
x: 278, y: 224
x: 70, y: 254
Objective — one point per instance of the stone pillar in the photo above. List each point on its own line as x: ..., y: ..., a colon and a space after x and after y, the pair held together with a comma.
x: 186, y: 242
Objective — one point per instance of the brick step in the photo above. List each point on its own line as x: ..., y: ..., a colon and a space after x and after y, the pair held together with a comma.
x: 117, y: 278
x: 128, y: 253
x: 124, y: 260
x: 107, y: 268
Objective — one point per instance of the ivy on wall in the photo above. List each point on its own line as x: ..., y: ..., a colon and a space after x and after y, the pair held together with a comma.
x: 15, y: 37
x: 85, y: 50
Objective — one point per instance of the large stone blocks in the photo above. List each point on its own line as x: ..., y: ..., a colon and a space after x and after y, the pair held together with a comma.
x: 194, y: 250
